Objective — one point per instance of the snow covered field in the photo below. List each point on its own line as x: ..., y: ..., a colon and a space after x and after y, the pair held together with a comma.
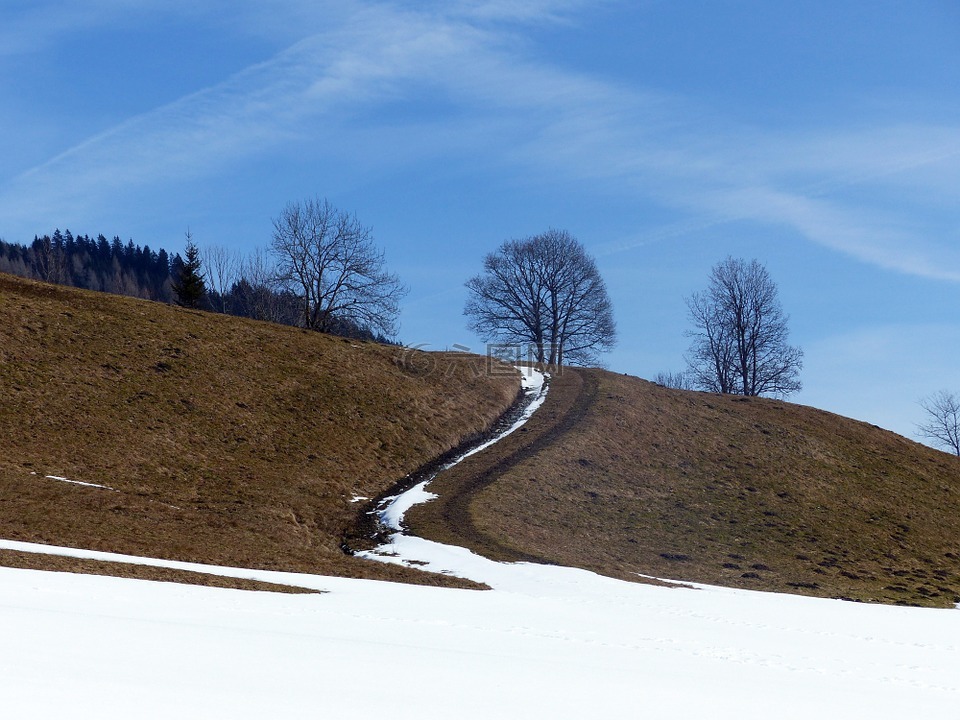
x: 546, y: 642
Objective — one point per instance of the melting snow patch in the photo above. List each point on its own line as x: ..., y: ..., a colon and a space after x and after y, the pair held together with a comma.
x: 76, y: 482
x: 392, y: 516
x: 394, y: 507
x: 313, y: 582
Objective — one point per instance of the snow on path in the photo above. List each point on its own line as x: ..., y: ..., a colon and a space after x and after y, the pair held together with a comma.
x: 391, y: 515
x: 547, y: 642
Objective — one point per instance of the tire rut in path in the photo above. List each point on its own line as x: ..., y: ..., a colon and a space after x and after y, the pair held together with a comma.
x: 448, y: 518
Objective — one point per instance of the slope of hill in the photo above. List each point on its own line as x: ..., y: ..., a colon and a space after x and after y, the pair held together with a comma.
x: 149, y: 430
x: 622, y: 476
x: 140, y: 428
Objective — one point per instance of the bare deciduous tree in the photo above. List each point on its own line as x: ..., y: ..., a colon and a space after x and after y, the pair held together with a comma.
x: 943, y: 420
x: 674, y: 380
x: 255, y: 293
x: 50, y: 258
x: 506, y: 302
x: 546, y: 291
x: 740, y: 334
x: 327, y: 258
x: 223, y: 267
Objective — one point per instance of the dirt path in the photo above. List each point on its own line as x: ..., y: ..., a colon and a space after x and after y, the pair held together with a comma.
x: 448, y: 519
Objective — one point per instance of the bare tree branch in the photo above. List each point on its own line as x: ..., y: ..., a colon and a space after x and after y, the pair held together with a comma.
x: 943, y: 420
x: 740, y: 334
x: 546, y: 291
x: 258, y: 293
x: 223, y: 267
x: 327, y: 258
x: 674, y: 380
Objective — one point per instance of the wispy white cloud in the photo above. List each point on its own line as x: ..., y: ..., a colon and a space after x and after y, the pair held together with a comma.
x: 878, y: 194
x: 374, y: 56
x: 353, y: 60
x: 873, y: 235
x: 531, y: 10
x: 248, y: 113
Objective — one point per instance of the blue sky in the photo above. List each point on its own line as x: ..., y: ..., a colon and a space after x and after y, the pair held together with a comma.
x: 821, y: 138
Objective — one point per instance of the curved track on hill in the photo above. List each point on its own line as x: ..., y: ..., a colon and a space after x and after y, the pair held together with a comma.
x: 448, y: 518
x: 620, y: 476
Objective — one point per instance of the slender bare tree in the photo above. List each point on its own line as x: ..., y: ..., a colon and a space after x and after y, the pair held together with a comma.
x: 942, y: 425
x: 50, y: 258
x: 544, y: 290
x: 710, y: 361
x: 257, y: 293
x: 328, y: 259
x: 223, y: 267
x: 740, y: 334
x: 674, y: 380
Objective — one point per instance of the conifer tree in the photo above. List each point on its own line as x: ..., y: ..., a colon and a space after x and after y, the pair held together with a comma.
x: 189, y: 285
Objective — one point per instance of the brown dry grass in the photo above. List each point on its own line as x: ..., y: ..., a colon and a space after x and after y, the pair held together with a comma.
x: 224, y: 441
x: 741, y: 492
x: 233, y: 442
x: 451, y: 518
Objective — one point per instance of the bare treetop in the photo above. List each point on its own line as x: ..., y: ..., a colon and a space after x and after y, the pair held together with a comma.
x: 327, y: 257
x: 547, y: 292
x: 740, y: 334
x: 942, y: 425
x: 223, y: 268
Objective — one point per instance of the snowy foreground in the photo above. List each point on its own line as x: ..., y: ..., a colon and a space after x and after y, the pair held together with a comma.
x: 546, y: 642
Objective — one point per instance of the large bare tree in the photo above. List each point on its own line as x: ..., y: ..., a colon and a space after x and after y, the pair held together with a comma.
x: 327, y: 257
x: 740, y: 334
x: 942, y: 425
x: 544, y: 291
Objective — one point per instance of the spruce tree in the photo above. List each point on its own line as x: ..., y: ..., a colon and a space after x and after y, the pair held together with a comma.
x: 188, y: 284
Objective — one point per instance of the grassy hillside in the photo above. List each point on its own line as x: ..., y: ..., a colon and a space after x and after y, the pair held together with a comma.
x: 206, y: 438
x: 218, y: 439
x: 734, y: 491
